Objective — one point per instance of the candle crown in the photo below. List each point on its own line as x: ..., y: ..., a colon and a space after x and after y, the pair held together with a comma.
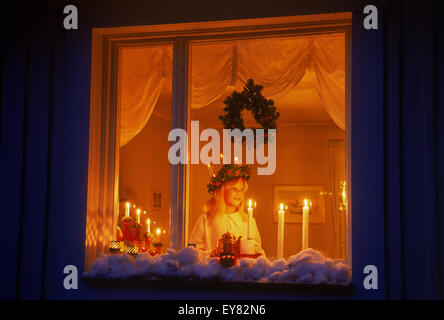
x: 226, y: 173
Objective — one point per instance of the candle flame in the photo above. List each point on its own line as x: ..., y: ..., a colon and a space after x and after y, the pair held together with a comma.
x: 127, y: 204
x: 138, y: 211
x: 158, y: 230
x: 249, y: 204
x: 305, y: 203
x: 281, y: 206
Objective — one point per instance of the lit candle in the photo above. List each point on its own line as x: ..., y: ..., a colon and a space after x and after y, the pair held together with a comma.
x: 305, y: 213
x: 158, y: 234
x: 148, y: 225
x: 127, y: 209
x: 138, y: 215
x: 280, y: 242
x: 250, y: 220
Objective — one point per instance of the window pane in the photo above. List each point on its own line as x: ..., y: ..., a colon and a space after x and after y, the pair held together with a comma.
x: 145, y: 121
x: 305, y: 77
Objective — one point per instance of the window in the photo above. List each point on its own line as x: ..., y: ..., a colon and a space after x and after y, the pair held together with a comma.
x: 156, y: 78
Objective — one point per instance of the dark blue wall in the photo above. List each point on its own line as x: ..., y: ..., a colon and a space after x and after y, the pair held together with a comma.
x: 397, y: 141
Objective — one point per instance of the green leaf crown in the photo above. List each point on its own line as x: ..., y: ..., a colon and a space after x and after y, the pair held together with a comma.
x: 226, y: 173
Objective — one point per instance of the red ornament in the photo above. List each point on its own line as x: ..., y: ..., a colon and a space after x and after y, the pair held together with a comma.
x: 127, y: 235
x: 136, y: 233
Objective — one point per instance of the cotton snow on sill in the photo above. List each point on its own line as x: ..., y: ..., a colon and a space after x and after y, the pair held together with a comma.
x: 307, y: 267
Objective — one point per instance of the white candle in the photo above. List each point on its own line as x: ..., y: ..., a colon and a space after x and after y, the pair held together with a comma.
x: 305, y: 217
x: 280, y: 241
x: 250, y: 220
x: 127, y: 209
x: 138, y: 215
x: 148, y: 225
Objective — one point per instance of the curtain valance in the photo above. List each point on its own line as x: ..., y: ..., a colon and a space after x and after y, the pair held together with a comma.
x: 278, y: 64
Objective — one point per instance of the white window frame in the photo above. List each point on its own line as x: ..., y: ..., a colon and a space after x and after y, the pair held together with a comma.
x: 103, y: 175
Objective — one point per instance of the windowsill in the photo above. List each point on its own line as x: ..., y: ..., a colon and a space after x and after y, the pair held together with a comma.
x: 219, y: 285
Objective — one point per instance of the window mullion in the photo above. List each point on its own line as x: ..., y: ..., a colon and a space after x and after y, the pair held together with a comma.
x: 178, y: 120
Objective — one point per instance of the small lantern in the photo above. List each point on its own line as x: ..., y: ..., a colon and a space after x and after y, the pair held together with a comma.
x: 131, y: 249
x: 115, y: 247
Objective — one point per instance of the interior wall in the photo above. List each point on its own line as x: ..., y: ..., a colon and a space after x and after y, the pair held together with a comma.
x: 302, y: 158
x: 144, y: 168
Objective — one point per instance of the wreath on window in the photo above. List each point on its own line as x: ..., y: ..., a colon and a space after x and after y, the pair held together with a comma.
x: 251, y: 99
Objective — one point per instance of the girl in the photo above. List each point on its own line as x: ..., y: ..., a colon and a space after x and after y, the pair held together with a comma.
x: 224, y: 212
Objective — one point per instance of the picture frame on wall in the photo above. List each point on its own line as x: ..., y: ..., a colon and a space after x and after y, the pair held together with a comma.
x: 292, y: 196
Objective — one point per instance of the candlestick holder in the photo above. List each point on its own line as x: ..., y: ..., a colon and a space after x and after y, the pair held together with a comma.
x: 146, y: 242
x: 137, y: 229
x: 158, y: 247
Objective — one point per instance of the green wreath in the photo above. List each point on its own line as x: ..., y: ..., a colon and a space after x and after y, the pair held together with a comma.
x: 226, y: 173
x: 251, y: 99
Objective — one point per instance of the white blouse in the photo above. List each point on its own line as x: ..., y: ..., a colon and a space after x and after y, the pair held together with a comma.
x: 205, y: 235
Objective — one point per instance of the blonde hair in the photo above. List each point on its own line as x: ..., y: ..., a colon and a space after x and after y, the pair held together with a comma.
x: 216, y: 204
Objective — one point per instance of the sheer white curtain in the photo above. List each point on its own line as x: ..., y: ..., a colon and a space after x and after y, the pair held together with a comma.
x: 329, y: 65
x: 278, y: 64
x: 143, y: 73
